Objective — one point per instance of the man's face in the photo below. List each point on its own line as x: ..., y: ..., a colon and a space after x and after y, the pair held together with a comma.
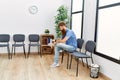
x: 61, y: 27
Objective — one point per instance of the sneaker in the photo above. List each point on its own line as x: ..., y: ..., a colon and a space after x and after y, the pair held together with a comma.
x: 61, y: 51
x: 55, y: 65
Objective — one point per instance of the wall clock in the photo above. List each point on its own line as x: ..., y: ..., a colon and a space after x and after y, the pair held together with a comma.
x: 33, y: 9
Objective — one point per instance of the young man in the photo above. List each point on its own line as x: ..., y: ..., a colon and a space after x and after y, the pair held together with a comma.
x: 68, y: 42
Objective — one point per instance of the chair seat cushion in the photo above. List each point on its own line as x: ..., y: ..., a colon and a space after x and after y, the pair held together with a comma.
x: 4, y: 45
x: 18, y: 45
x: 80, y: 55
x: 34, y: 44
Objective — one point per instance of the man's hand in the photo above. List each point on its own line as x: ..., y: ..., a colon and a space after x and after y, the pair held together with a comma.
x: 58, y: 40
x: 62, y: 40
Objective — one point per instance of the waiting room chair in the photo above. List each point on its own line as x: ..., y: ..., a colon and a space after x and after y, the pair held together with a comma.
x: 89, y: 48
x: 4, y: 42
x: 34, y: 41
x: 79, y: 44
x: 18, y: 42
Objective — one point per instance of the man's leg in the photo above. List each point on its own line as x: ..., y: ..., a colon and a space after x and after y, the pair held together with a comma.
x: 65, y: 47
x: 58, y: 47
x: 61, y: 46
x: 56, y: 56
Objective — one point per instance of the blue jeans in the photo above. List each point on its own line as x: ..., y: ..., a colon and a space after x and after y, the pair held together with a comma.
x: 62, y: 46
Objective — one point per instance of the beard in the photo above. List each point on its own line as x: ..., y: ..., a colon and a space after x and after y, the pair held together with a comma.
x: 63, y: 32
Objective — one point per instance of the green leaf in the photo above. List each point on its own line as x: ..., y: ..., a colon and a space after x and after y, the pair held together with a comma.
x: 62, y: 15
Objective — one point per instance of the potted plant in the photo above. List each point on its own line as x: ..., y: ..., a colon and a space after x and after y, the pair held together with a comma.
x: 62, y: 15
x: 47, y: 31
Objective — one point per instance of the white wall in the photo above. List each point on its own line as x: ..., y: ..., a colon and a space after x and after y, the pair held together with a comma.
x: 108, y: 68
x: 16, y: 19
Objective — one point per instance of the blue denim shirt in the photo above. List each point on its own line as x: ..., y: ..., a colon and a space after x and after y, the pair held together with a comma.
x: 71, y: 38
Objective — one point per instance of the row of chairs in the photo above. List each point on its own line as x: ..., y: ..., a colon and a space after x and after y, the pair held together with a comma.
x: 19, y: 42
x: 89, y: 50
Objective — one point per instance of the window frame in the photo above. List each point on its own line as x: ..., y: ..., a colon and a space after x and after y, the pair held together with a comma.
x: 76, y: 12
x: 96, y: 32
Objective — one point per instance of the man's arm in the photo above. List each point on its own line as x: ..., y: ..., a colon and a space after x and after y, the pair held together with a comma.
x: 62, y: 40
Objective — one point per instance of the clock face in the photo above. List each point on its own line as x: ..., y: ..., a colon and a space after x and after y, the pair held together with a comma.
x: 33, y: 9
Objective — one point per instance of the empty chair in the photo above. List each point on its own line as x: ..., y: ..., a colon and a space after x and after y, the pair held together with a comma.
x: 34, y: 41
x: 18, y: 42
x: 4, y: 42
x: 79, y: 46
x: 89, y: 47
x: 80, y: 43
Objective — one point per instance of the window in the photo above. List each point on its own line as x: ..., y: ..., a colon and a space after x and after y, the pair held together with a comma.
x: 77, y: 17
x: 77, y: 5
x: 108, y: 30
x: 76, y: 24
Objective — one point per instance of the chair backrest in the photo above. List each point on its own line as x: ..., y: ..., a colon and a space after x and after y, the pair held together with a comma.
x: 34, y: 38
x: 90, y: 46
x: 19, y: 37
x: 4, y: 37
x: 80, y: 43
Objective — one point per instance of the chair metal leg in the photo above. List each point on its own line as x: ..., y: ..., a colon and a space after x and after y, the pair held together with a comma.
x: 77, y: 66
x: 87, y: 62
x: 38, y: 50
x: 82, y: 61
x: 24, y: 51
x: 62, y: 57
x: 67, y: 60
x: 92, y: 60
x: 70, y: 62
x: 9, y: 56
x: 14, y: 50
x: 28, y: 52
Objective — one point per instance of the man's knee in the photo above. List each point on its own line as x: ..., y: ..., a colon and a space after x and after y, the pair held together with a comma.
x: 59, y: 44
